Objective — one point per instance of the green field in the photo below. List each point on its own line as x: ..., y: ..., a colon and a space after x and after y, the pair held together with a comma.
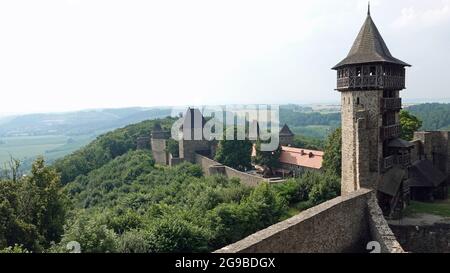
x: 440, y: 208
x: 25, y: 148
x: 313, y: 131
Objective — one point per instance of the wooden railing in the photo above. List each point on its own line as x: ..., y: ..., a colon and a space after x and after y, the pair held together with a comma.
x: 368, y: 82
x: 401, y: 160
x: 390, y: 131
x: 388, y: 162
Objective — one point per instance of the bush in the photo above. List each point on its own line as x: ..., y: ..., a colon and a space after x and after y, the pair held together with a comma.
x: 172, y: 234
x: 124, y: 221
x: 16, y: 249
x: 134, y: 241
x: 326, y: 187
x: 92, y: 234
x: 294, y: 190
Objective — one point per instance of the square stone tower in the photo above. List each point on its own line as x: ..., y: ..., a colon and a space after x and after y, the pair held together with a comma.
x: 193, y: 139
x: 369, y: 80
x: 158, y: 140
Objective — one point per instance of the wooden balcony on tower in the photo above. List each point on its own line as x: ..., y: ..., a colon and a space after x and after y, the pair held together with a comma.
x: 391, y: 131
x: 391, y: 104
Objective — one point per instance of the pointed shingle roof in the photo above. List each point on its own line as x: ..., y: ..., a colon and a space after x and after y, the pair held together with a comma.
x: 285, y: 131
x: 369, y: 47
x: 157, y: 127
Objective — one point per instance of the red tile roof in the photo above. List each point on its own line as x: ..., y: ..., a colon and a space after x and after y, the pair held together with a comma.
x: 301, y: 157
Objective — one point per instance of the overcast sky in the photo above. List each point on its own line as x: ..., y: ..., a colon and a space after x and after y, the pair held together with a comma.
x: 66, y: 55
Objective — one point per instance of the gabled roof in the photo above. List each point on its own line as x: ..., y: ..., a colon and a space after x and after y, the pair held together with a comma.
x: 369, y: 47
x: 423, y: 174
x: 285, y: 131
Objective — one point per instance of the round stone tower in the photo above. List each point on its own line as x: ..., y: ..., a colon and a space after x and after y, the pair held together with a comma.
x: 369, y: 80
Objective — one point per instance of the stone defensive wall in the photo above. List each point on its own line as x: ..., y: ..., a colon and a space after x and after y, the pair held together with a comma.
x: 211, y: 167
x: 344, y: 224
x: 379, y: 228
x: 419, y: 235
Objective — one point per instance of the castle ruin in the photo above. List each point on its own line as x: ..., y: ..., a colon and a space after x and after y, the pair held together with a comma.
x: 380, y: 171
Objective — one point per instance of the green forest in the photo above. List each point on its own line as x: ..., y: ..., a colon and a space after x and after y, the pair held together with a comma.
x: 111, y: 197
x: 434, y: 116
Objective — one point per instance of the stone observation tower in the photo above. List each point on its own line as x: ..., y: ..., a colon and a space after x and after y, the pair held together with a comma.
x: 369, y: 80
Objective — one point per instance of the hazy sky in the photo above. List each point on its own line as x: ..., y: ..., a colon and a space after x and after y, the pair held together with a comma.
x: 65, y: 55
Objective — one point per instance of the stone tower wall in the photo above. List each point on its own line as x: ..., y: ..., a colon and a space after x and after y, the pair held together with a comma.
x: 286, y: 140
x: 188, y: 148
x: 435, y: 147
x: 361, y: 147
x: 160, y: 154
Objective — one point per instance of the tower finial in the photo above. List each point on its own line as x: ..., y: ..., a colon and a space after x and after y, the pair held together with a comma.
x: 368, y: 9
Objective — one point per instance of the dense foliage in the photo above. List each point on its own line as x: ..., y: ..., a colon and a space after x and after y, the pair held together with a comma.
x: 116, y: 200
x: 310, y: 189
x: 332, y: 159
x: 409, y: 124
x: 301, y: 141
x: 235, y: 153
x: 105, y: 148
x: 129, y: 205
x: 435, y: 116
x: 173, y: 147
x: 268, y: 159
x: 32, y: 210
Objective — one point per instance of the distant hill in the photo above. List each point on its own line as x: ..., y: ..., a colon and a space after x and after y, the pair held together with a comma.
x: 105, y: 148
x: 435, y: 116
x: 77, y: 123
x: 55, y: 135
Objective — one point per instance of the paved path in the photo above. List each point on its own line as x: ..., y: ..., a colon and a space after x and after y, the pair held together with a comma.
x: 420, y: 219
